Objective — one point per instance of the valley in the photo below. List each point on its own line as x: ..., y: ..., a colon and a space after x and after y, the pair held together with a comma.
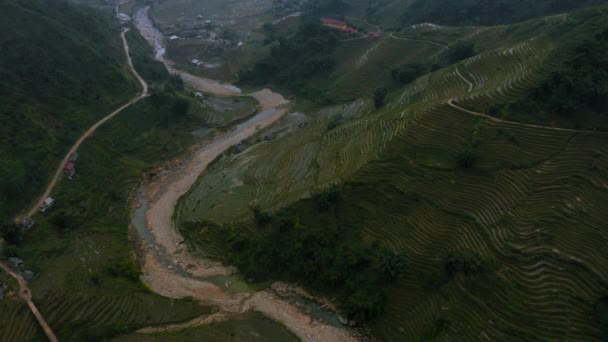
x: 397, y: 180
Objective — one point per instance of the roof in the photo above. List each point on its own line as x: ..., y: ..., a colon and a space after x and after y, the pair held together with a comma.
x: 332, y: 21
x: 69, y: 166
x: 49, y: 200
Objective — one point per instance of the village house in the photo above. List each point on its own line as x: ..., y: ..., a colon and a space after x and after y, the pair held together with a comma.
x: 73, y: 157
x: 69, y: 170
x: 123, y: 17
x: 15, y: 263
x: 27, y: 223
x: 48, y: 203
x: 337, y: 25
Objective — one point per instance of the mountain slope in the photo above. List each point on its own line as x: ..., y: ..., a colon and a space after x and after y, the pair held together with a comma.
x: 62, y: 68
x: 496, y: 218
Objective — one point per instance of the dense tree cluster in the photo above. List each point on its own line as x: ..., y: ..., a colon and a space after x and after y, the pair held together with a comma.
x: 483, y: 12
x: 296, y: 58
x: 576, y: 91
x: 313, y: 244
x: 469, y: 263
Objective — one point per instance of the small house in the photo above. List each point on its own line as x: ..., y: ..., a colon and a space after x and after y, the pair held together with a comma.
x: 174, y: 37
x: 27, y: 223
x: 27, y: 275
x: 73, y: 157
x: 69, y: 170
x: 123, y: 17
x: 48, y: 203
x: 15, y: 263
x: 199, y: 95
x: 337, y: 25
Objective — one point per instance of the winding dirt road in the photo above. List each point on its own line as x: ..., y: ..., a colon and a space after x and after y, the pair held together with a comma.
x: 90, y: 131
x: 26, y: 294
x: 491, y: 118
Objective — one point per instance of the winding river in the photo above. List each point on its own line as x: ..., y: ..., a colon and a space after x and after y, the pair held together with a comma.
x: 170, y: 270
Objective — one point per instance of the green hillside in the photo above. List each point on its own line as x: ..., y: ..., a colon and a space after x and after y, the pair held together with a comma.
x: 496, y: 219
x: 62, y: 68
x: 479, y: 12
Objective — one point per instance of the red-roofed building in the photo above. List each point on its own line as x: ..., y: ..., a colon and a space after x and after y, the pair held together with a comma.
x: 69, y: 170
x: 338, y: 25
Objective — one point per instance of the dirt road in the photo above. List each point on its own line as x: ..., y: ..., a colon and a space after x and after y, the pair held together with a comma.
x: 26, y: 294
x: 90, y: 131
x: 491, y: 118
x: 419, y: 40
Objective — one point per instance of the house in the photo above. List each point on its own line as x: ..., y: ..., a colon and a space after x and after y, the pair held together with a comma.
x: 27, y: 275
x: 27, y: 223
x: 375, y: 35
x: 48, y: 203
x: 337, y: 25
x: 199, y: 95
x: 73, y: 157
x: 123, y: 17
x: 15, y: 263
x: 174, y: 37
x: 69, y: 170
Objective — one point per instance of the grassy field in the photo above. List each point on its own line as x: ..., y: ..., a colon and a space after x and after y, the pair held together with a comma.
x: 529, y: 201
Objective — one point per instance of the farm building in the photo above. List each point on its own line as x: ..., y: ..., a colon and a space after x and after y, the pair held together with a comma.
x: 69, y: 170
x: 27, y: 275
x: 15, y: 263
x: 47, y: 204
x: 337, y: 25
x: 27, y: 223
x: 123, y: 17
x: 73, y: 157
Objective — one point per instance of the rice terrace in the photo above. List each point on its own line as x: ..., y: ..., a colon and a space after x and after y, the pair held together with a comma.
x: 315, y: 170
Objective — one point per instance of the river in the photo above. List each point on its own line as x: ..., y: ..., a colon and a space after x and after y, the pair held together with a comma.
x: 169, y: 268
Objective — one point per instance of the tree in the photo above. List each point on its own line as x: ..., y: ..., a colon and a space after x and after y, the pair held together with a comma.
x: 467, y: 158
x: 392, y: 264
x: 380, y: 96
x: 11, y: 232
x: 408, y: 72
x: 461, y: 50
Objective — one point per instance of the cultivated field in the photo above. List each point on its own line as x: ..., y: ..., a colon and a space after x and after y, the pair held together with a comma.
x: 532, y: 203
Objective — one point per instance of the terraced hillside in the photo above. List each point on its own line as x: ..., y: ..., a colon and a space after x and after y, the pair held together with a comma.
x: 457, y: 187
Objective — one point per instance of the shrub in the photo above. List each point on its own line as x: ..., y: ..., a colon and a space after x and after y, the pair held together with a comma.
x: 380, y: 96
